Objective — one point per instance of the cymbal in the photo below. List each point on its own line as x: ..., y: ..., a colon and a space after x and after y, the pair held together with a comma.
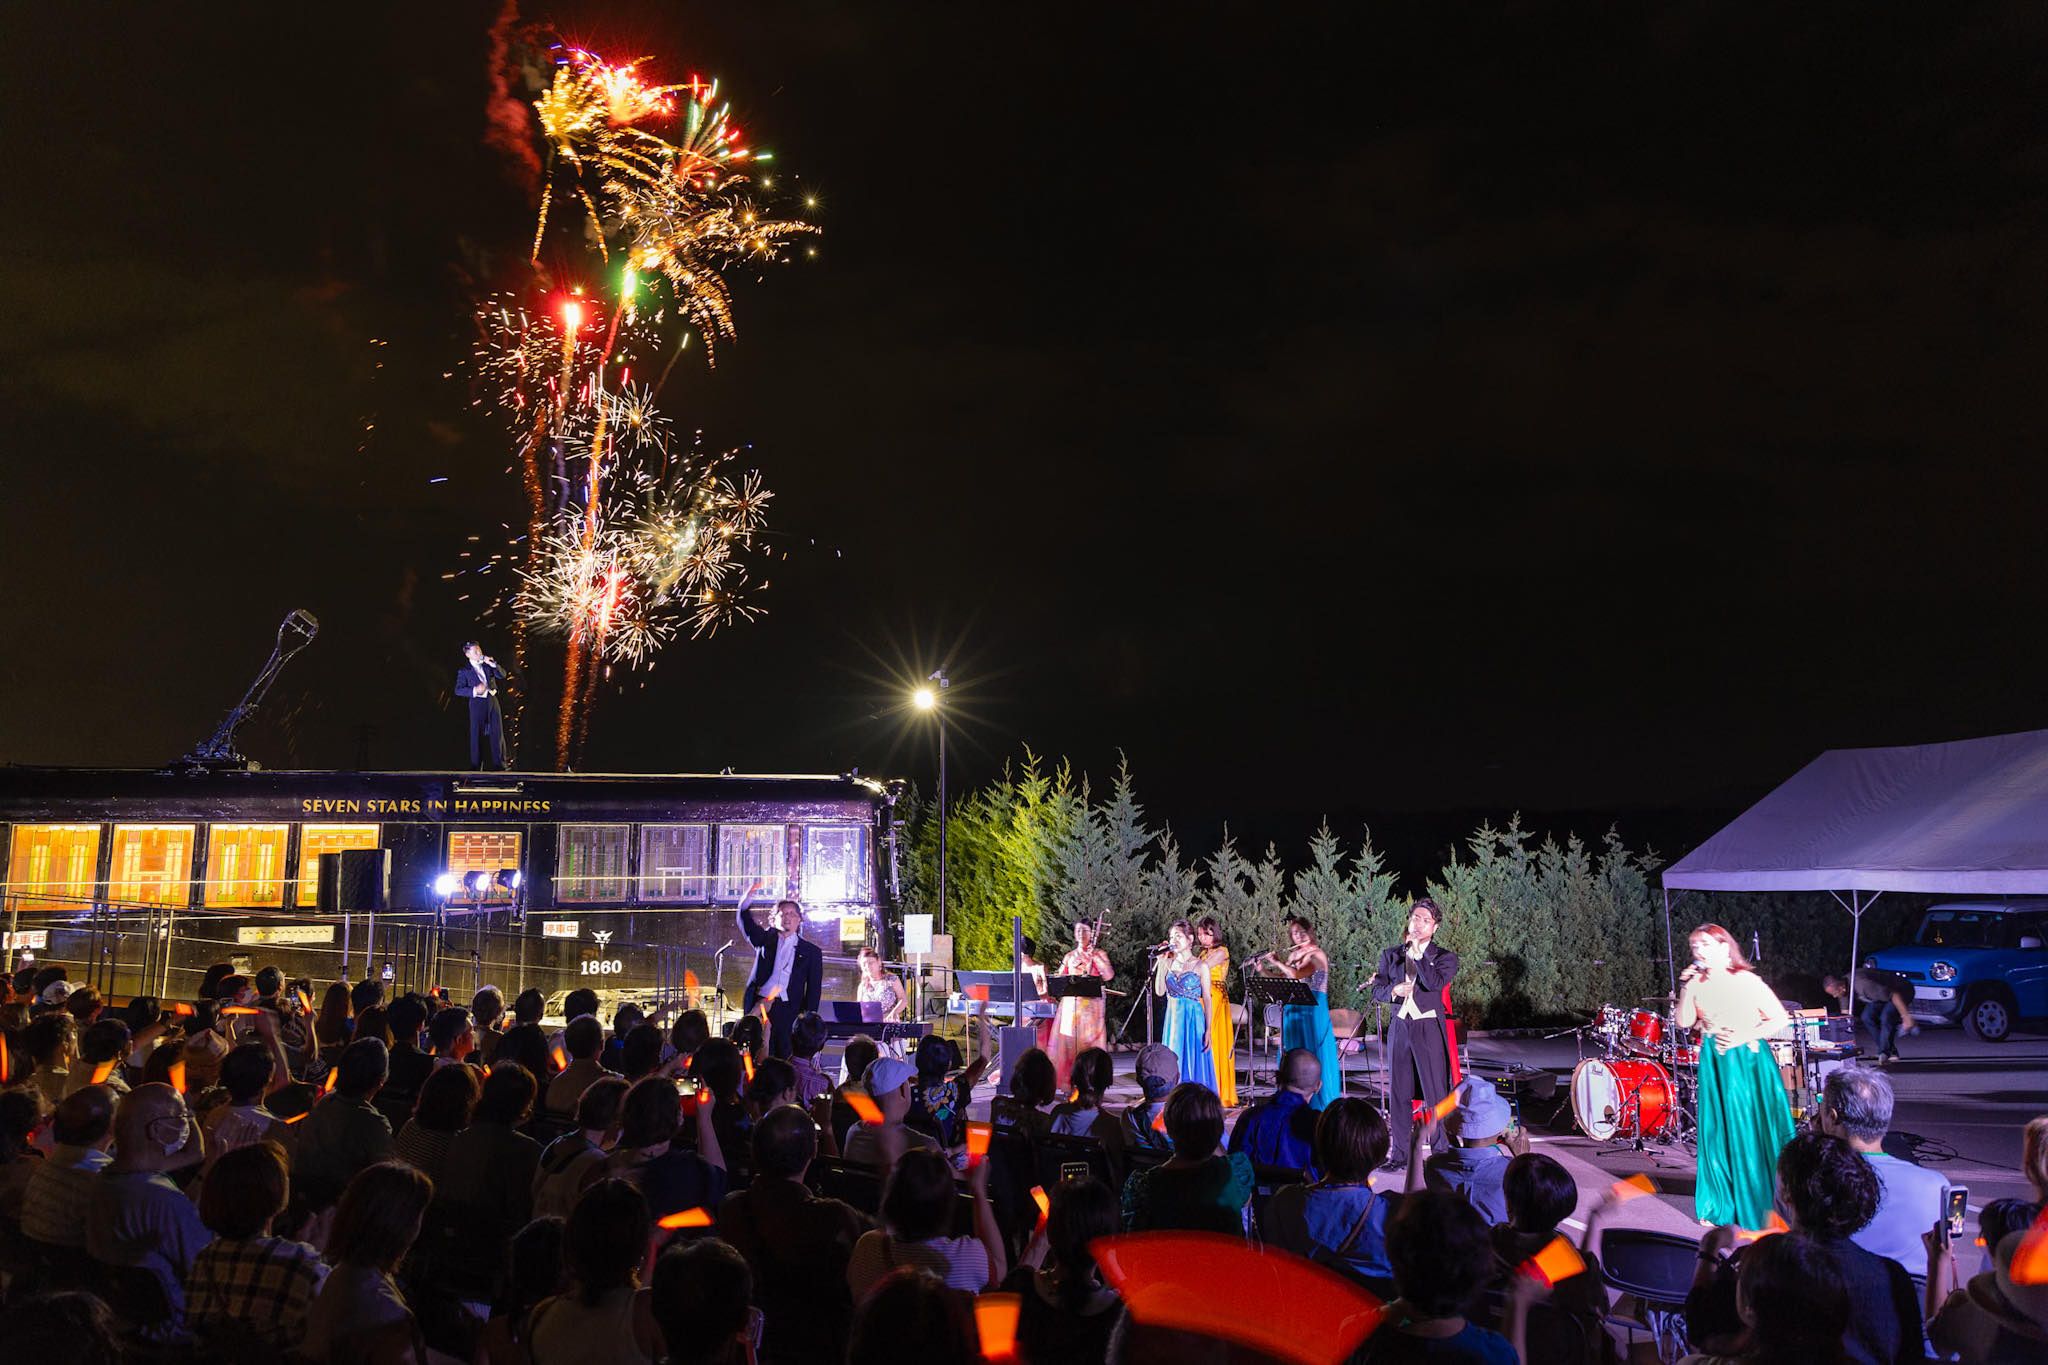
x: 1665, y: 999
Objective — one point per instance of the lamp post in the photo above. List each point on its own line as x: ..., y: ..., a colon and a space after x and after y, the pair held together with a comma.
x: 927, y: 699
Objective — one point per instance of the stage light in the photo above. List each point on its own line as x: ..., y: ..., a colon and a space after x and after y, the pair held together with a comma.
x: 445, y: 884
x: 925, y: 698
x: 479, y: 882
x: 509, y: 878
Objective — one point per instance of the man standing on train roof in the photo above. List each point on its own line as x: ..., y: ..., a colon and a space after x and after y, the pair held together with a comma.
x: 478, y: 681
x: 788, y: 968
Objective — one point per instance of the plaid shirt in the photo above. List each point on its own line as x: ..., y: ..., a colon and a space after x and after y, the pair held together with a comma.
x: 261, y: 1285
x: 59, y: 1195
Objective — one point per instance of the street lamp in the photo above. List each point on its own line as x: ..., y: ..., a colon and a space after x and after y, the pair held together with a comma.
x: 927, y: 699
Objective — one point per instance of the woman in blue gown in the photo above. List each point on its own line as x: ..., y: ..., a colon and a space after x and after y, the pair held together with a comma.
x: 1183, y: 979
x: 1309, y: 1025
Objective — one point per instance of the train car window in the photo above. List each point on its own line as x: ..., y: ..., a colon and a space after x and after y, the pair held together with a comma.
x: 675, y: 863
x: 590, y: 863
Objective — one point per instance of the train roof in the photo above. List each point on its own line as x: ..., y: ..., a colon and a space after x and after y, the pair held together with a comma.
x: 186, y: 791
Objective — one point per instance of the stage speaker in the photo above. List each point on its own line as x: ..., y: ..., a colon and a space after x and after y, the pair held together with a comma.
x: 358, y: 879
x: 1012, y: 1042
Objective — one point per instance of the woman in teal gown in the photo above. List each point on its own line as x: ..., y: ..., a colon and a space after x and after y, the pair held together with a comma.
x: 1308, y: 1026
x: 1183, y: 979
x: 1745, y: 1115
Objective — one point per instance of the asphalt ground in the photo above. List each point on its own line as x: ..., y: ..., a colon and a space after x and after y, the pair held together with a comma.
x: 1961, y: 1106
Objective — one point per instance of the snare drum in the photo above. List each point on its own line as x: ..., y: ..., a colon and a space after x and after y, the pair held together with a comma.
x: 1685, y: 1055
x: 1645, y: 1032
x: 1629, y: 1097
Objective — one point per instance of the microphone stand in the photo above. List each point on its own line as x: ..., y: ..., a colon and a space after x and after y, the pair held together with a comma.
x: 718, y: 985
x: 1144, y: 995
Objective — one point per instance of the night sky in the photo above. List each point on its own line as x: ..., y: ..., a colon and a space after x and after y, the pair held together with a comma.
x: 1561, y: 408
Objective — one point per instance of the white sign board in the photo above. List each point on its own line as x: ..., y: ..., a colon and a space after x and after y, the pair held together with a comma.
x: 559, y: 928
x: 917, y: 934
x: 29, y: 938
x: 285, y: 933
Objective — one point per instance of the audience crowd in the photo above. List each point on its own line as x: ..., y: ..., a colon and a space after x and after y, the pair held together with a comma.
x: 406, y: 1180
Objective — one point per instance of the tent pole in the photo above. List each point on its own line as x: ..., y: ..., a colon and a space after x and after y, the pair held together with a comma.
x: 1670, y: 959
x: 1856, y: 909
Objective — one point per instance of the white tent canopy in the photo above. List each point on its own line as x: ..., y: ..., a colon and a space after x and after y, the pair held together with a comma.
x: 1966, y: 817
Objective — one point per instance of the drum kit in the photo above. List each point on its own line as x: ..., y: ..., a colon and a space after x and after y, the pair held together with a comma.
x: 1643, y: 1087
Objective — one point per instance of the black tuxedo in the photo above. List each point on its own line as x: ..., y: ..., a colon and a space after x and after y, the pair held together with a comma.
x: 1417, y: 1050
x: 806, y: 979
x: 486, y: 721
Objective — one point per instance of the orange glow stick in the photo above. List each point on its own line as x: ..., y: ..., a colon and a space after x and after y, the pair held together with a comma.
x: 561, y: 1059
x: 2030, y: 1257
x: 1558, y: 1261
x: 977, y: 1143
x: 1200, y: 1281
x: 1635, y: 1187
x: 1038, y: 1197
x: 178, y: 1076
x: 1770, y: 1229
x: 181, y: 1008
x: 688, y: 1218
x: 240, y: 1009
x: 747, y: 1065
x: 101, y: 1072
x: 995, y: 1320
x: 1159, y: 1122
x: 294, y: 1118
x: 1444, y: 1107
x: 333, y: 1075
x: 5, y: 1070
x: 305, y: 1002
x: 864, y: 1105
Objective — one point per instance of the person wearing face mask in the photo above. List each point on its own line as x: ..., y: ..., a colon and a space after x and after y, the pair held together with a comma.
x: 1745, y: 1116
x: 138, y: 1216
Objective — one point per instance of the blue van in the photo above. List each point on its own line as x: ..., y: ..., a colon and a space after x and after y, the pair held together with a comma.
x: 1978, y: 963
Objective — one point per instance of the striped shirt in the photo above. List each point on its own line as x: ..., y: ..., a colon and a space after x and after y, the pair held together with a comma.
x: 259, y: 1284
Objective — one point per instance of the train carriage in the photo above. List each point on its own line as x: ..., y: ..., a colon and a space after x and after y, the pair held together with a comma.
x: 137, y: 881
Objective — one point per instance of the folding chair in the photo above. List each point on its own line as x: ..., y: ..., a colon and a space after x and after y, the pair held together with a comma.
x: 860, y: 1186
x: 1656, y: 1269
x: 1061, y: 1157
x: 1268, y: 1181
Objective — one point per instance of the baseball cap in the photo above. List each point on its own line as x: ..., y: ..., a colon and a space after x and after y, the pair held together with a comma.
x: 887, y: 1073
x: 1481, y: 1112
x: 56, y: 993
x: 1158, y: 1070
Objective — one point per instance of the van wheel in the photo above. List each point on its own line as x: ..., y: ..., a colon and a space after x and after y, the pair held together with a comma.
x: 1988, y: 1016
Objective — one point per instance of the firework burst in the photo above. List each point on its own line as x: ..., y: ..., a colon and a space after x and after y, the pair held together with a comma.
x: 667, y: 553
x: 632, y: 538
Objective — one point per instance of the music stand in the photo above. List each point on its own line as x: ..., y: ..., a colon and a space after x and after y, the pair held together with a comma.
x: 1260, y: 991
x: 1080, y: 987
x: 1020, y: 1034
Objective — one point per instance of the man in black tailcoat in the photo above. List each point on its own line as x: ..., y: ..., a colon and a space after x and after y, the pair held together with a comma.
x: 478, y: 681
x: 789, y: 970
x: 1411, y: 977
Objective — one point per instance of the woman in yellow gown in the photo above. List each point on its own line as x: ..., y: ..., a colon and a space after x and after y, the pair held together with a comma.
x: 1222, y: 1032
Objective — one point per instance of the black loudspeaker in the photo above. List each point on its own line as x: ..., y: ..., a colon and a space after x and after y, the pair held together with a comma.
x: 358, y: 879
